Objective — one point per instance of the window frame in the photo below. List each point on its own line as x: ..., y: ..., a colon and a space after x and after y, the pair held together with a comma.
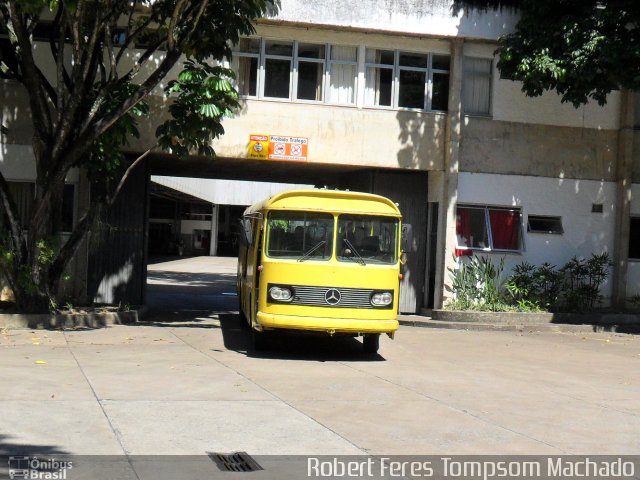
x: 382, y: 66
x: 487, y: 223
x: 426, y: 95
x: 360, y: 67
x: 429, y: 72
x: 296, y: 71
x: 262, y: 67
x: 239, y: 54
x: 472, y: 75
x: 330, y: 63
x: 438, y: 71
x: 559, y: 231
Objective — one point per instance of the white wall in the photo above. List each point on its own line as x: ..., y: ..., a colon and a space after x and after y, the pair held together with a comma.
x: 17, y: 164
x: 510, y: 104
x: 434, y: 17
x: 584, y: 232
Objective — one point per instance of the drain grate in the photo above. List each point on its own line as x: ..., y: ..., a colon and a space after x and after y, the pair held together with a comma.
x: 235, y: 462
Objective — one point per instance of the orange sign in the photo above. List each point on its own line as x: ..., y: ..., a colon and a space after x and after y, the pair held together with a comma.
x: 278, y: 147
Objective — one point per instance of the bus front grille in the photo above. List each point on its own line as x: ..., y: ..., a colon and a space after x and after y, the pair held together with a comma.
x: 336, y: 297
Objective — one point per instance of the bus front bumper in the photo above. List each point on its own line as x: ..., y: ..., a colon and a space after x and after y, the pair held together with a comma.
x: 268, y: 321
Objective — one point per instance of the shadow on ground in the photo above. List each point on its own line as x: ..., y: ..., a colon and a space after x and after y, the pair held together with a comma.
x: 8, y: 447
x: 292, y: 345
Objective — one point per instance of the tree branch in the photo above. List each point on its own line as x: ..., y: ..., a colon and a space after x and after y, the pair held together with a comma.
x: 134, y: 35
x: 9, y: 207
x: 177, y: 13
x: 112, y: 198
x: 32, y: 76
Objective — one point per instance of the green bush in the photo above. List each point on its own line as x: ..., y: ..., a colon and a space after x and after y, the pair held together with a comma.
x: 479, y: 285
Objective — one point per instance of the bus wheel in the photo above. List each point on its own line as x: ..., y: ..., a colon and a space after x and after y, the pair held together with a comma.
x: 244, y: 323
x: 370, y: 343
x: 258, y: 340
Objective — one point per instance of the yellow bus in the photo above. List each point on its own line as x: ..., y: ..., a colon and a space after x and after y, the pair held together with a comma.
x: 321, y: 261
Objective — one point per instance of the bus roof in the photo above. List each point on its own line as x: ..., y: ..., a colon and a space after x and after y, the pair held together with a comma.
x: 327, y: 201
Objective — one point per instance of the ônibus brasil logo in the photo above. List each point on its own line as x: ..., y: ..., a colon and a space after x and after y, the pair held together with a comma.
x: 38, y: 469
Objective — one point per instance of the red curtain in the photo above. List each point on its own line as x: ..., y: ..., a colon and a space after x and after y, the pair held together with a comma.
x: 505, y: 229
x: 463, y: 227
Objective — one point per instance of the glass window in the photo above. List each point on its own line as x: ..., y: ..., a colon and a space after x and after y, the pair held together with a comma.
x: 412, y: 89
x: 367, y: 239
x: 278, y: 47
x: 310, y: 71
x: 418, y: 60
x: 277, y: 78
x: 248, y: 45
x: 471, y: 227
x: 440, y: 92
x: 488, y: 228
x: 300, y: 235
x: 634, y: 238
x: 476, y: 86
x: 441, y: 62
x: 246, y: 69
x: 544, y: 224
x: 343, y: 63
x: 505, y: 229
x: 379, y: 77
x: 277, y: 68
x: 246, y: 57
x: 412, y: 79
x: 311, y: 50
x: 440, y: 82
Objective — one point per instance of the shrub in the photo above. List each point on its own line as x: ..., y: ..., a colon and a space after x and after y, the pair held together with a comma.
x: 478, y: 285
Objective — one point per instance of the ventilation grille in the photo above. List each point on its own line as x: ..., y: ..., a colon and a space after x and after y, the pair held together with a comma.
x: 316, y: 296
x: 235, y: 462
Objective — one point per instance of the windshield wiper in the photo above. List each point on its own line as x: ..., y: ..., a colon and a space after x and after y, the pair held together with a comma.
x: 360, y: 260
x: 310, y: 252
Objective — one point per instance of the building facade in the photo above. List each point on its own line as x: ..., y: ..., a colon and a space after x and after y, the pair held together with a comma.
x: 403, y: 98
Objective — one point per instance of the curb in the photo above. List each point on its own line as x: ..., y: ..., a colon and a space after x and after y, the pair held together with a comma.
x: 503, y: 327
x: 613, y: 323
x: 75, y: 320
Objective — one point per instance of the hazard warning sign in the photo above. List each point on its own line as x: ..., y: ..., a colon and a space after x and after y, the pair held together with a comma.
x: 277, y: 147
x: 288, y: 148
x: 258, y: 146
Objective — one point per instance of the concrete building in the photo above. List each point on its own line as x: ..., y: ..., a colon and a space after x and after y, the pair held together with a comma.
x: 403, y: 98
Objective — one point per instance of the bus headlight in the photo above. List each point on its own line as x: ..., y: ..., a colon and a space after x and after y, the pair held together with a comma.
x: 281, y: 294
x: 381, y: 299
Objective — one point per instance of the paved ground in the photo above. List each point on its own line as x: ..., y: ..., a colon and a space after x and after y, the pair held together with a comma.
x: 187, y: 383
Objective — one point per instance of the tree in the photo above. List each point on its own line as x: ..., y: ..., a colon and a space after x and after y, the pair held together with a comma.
x: 582, y: 49
x: 87, y: 109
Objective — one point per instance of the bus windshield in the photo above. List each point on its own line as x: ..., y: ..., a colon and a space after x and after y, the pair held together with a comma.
x: 300, y: 235
x: 367, y: 239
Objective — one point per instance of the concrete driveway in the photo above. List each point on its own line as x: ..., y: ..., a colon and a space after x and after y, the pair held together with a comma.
x: 186, y: 383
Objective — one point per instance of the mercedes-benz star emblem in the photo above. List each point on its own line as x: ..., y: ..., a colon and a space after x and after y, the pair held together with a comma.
x: 332, y: 297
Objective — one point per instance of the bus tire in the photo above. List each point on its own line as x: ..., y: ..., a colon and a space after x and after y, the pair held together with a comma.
x: 258, y: 340
x: 244, y: 323
x: 371, y: 343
